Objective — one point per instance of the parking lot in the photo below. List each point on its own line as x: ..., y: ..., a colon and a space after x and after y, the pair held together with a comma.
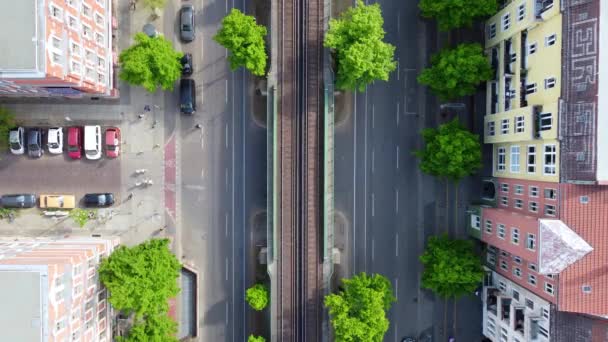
x: 59, y: 174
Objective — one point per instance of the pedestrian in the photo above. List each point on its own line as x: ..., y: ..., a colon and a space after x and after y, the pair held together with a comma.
x: 198, y: 126
x: 141, y: 116
x: 146, y: 108
x: 130, y: 196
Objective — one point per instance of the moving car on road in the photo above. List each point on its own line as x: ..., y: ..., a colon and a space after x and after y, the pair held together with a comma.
x: 18, y: 201
x: 187, y: 96
x: 112, y: 142
x: 57, y: 201
x: 99, y: 200
x: 186, y: 25
x: 75, y: 142
x: 186, y: 64
x: 92, y: 142
x: 15, y: 140
x: 34, y: 143
x: 55, y: 140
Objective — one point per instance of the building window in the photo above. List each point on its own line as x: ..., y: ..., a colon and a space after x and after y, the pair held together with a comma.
x: 56, y: 58
x: 531, y: 48
x: 56, y: 12
x: 517, y: 272
x: 504, y: 254
x: 489, y: 226
x: 506, y: 21
x: 519, y: 189
x: 99, y: 38
x: 519, y: 203
x: 533, y: 207
x: 549, y: 159
x: 532, y: 266
x: 60, y: 325
x: 549, y: 210
x: 99, y: 19
x: 75, y: 67
x: 501, y: 231
x: 90, y: 56
x: 89, y: 73
x: 491, y: 326
x: 529, y: 304
x: 546, y: 121
x: 72, y: 22
x: 531, y: 160
x: 586, y: 289
x: 531, y: 242
x: 475, y: 221
x: 504, y: 187
x: 521, y: 12
x: 492, y: 30
x: 519, y: 124
x: 77, y: 270
x: 517, y: 260
x: 543, y: 331
x: 491, y: 129
x: 532, y: 279
x: 86, y: 10
x: 551, y: 194
x: 501, y: 161
x: 533, y: 191
x: 531, y: 88
x: 56, y: 42
x: 491, y: 258
x: 87, y: 31
x: 75, y: 49
x: 503, y: 265
x: 549, y: 82
x: 504, y: 126
x: 504, y: 200
x: 549, y: 288
x: 77, y: 290
x: 584, y: 199
x: 515, y: 159
x: 515, y: 294
x: 550, y: 39
x: 545, y: 313
x: 101, y: 63
x: 515, y: 235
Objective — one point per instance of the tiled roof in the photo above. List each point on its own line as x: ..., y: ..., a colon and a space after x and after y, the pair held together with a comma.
x: 570, y: 327
x: 590, y: 222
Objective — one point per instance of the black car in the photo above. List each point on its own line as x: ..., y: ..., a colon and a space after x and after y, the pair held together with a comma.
x: 187, y: 64
x: 186, y: 25
x: 187, y: 96
x: 99, y: 200
x: 34, y: 143
x: 18, y: 201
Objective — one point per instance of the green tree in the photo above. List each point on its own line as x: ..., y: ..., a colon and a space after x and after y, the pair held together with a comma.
x: 452, y: 14
x: 154, y: 328
x: 457, y: 72
x: 450, y: 151
x: 7, y: 121
x: 451, y: 267
x: 153, y: 4
x: 244, y: 38
x: 257, y: 297
x: 150, y: 63
x: 362, y: 55
x: 358, y: 311
x: 81, y: 216
x: 253, y: 338
x: 142, y: 278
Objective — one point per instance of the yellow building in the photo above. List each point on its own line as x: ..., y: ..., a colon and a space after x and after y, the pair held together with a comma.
x: 523, y: 42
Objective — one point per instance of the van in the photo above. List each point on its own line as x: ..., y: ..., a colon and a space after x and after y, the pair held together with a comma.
x: 187, y: 95
x: 92, y: 142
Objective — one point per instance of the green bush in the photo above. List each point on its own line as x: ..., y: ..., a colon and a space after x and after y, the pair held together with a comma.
x: 257, y: 297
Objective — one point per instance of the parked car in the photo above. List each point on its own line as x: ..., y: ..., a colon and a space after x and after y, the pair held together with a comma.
x: 55, y: 140
x: 92, y: 142
x: 75, y: 142
x: 15, y: 140
x: 57, y: 201
x: 113, y: 142
x: 34, y: 143
x: 186, y: 25
x: 187, y: 96
x: 186, y: 64
x: 18, y: 201
x: 99, y: 200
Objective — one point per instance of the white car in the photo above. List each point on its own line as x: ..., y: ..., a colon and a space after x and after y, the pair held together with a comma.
x: 55, y: 140
x: 15, y: 140
x: 92, y: 142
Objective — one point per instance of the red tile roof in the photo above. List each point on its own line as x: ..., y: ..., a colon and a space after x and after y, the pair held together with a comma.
x: 589, y: 221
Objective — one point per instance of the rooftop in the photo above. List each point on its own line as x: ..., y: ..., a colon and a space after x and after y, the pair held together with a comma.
x: 20, y: 30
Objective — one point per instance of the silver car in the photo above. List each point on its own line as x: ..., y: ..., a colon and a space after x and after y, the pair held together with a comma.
x: 16, y: 140
x: 186, y: 25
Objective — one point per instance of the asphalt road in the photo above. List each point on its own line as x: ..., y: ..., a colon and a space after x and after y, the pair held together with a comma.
x: 222, y: 172
x: 389, y: 206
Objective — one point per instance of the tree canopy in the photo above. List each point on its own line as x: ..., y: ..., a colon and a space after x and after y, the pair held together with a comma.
x: 155, y: 3
x: 451, y: 267
x: 452, y: 14
x: 257, y: 297
x: 155, y: 328
x: 7, y: 122
x: 253, y: 338
x: 450, y: 151
x: 142, y: 278
x: 358, y: 311
x: 457, y: 72
x: 362, y: 55
x: 244, y: 38
x: 150, y: 63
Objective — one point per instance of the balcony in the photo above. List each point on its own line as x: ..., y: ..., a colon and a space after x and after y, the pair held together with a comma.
x: 524, y: 51
x: 509, y: 93
x: 509, y: 56
x: 494, y: 98
x: 505, y: 309
x: 541, y: 6
x: 492, y: 300
x: 494, y: 61
x: 520, y: 318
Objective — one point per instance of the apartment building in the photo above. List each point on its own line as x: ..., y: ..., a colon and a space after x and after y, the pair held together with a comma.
x: 50, y: 291
x: 57, y: 48
x: 549, y: 239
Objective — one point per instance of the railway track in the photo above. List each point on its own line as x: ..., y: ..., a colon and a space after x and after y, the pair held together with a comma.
x: 300, y: 130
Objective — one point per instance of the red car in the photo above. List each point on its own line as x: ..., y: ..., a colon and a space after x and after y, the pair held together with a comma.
x: 75, y: 142
x: 112, y: 142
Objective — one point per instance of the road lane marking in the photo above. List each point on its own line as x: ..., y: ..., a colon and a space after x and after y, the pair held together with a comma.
x: 365, y: 187
x: 397, y: 288
x: 398, y: 22
x: 354, y: 187
x: 397, y: 245
x: 226, y: 90
x: 397, y: 157
x: 373, y: 116
x: 397, y: 200
x: 373, y: 204
x: 226, y: 135
x: 226, y: 228
x: 373, y: 244
x: 226, y: 178
x: 227, y: 312
x: 397, y: 58
x: 397, y: 113
x: 373, y: 160
x: 226, y: 6
x: 202, y: 174
x: 226, y: 269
